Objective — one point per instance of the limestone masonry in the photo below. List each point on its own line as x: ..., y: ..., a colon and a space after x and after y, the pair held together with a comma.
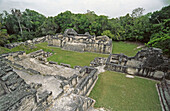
x: 70, y: 40
x: 31, y: 83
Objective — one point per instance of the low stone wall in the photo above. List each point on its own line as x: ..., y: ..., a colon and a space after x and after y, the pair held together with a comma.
x: 164, y: 94
x: 98, y: 61
x: 34, y: 41
x: 65, y: 65
x: 84, y: 85
x: 85, y: 103
x: 40, y: 53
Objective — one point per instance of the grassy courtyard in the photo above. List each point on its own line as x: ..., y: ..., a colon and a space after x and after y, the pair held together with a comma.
x: 61, y: 56
x: 128, y: 49
x: 75, y: 58
x: 116, y: 92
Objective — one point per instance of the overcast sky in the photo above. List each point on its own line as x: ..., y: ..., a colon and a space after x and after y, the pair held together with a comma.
x: 111, y: 8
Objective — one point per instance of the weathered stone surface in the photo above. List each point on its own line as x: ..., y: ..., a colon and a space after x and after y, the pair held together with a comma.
x: 82, y: 42
x: 164, y: 94
x: 70, y: 32
x: 148, y: 62
x: 28, y: 42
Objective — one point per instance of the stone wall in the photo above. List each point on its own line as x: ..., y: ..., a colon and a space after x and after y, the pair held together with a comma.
x: 28, y: 42
x: 164, y: 94
x: 70, y: 40
x: 98, y: 61
x: 148, y: 62
x: 85, y: 84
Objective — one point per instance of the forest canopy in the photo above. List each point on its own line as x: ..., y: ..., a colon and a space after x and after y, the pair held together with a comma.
x: 152, y: 28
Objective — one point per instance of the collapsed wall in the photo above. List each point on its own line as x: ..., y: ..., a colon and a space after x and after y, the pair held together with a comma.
x: 70, y: 40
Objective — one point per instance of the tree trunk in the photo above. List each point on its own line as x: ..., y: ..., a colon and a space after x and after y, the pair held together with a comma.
x: 20, y: 26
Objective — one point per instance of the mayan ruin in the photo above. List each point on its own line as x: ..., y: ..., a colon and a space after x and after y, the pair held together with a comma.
x: 84, y: 55
x: 30, y: 82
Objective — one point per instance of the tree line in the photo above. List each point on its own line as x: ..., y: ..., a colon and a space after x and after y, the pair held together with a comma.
x: 152, y: 28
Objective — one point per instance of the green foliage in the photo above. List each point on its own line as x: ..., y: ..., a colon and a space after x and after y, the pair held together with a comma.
x: 128, y: 49
x: 135, y: 27
x: 49, y: 27
x: 161, y: 41
x: 108, y: 33
x: 161, y: 36
x: 3, y: 36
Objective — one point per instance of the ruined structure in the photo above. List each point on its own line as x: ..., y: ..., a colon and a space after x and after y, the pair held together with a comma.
x: 16, y: 94
x: 28, y: 82
x: 70, y: 40
x: 31, y: 83
x: 29, y: 42
x: 164, y: 94
x: 148, y: 62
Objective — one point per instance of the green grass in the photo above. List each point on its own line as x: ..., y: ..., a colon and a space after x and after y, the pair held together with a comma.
x: 4, y: 50
x: 116, y: 92
x: 125, y: 48
x: 61, y: 56
x: 73, y: 58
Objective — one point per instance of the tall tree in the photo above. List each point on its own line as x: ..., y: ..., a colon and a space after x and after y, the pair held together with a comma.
x: 17, y: 13
x: 137, y: 12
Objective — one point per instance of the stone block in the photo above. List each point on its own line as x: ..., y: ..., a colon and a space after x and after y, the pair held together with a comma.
x: 131, y: 70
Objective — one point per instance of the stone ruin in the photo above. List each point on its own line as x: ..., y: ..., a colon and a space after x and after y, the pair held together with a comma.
x: 70, y: 40
x: 28, y: 82
x: 29, y: 42
x: 73, y: 41
x: 164, y: 94
x: 147, y: 63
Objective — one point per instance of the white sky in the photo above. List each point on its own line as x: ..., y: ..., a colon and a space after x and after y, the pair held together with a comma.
x: 111, y: 8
